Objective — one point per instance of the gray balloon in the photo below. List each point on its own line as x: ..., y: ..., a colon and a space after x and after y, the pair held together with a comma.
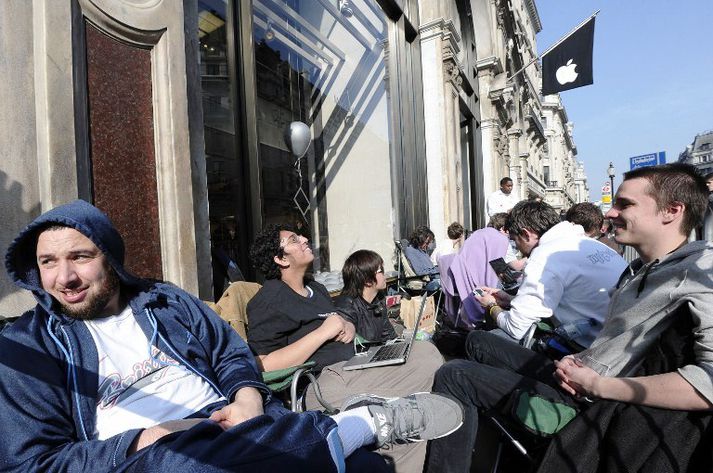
x: 297, y: 138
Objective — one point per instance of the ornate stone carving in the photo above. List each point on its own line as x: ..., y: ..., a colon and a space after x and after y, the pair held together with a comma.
x: 451, y: 73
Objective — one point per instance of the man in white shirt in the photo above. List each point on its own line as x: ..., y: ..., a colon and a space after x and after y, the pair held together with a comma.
x: 568, y: 275
x: 502, y: 200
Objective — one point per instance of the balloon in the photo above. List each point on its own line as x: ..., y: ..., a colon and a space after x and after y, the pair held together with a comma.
x: 297, y: 138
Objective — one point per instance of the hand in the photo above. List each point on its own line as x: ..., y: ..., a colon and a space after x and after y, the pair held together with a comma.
x: 333, y: 327
x: 247, y: 404
x: 485, y: 300
x: 502, y: 298
x: 149, y: 436
x: 347, y: 334
x: 575, y: 378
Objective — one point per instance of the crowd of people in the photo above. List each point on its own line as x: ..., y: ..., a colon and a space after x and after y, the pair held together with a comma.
x: 111, y: 372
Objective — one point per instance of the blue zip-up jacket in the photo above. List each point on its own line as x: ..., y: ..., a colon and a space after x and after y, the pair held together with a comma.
x: 49, y: 362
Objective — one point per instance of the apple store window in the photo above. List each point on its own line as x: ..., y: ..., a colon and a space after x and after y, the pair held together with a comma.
x: 223, y: 163
x: 324, y: 137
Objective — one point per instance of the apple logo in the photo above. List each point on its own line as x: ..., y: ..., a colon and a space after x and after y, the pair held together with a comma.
x: 566, y: 74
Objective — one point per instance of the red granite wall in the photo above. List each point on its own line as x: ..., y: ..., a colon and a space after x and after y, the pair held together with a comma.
x: 122, y: 146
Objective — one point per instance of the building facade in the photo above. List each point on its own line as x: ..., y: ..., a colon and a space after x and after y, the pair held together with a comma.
x: 700, y: 153
x: 561, y: 172
x: 194, y: 123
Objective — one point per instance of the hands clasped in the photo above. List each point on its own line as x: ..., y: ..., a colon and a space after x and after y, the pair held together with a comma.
x: 576, y: 378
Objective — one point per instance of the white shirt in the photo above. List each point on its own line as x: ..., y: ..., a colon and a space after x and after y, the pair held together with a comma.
x: 568, y: 275
x: 499, y: 202
x: 446, y: 247
x: 140, y: 386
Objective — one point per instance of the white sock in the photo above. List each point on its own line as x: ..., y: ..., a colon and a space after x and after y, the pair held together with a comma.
x: 356, y: 428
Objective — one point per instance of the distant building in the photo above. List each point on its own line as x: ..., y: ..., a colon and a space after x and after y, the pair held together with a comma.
x: 581, y: 189
x: 700, y: 152
x: 564, y: 178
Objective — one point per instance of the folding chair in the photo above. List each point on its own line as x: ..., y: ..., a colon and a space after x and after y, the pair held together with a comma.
x: 539, y: 417
x: 408, y: 279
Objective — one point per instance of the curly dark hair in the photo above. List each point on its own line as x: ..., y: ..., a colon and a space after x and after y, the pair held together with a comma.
x: 588, y: 215
x: 538, y: 217
x: 359, y: 270
x: 420, y: 236
x: 264, y: 249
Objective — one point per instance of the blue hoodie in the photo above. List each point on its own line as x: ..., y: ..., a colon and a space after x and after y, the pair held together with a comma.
x: 49, y: 362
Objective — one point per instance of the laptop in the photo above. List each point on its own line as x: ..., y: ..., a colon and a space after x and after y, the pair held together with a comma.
x: 388, y: 354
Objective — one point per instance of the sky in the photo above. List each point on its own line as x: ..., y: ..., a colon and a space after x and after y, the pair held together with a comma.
x: 653, y: 79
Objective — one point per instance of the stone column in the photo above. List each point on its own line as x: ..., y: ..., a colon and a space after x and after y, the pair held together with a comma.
x: 515, y: 166
x: 441, y: 83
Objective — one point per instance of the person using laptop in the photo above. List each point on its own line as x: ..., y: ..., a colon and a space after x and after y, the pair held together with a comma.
x: 362, y: 297
x: 292, y: 319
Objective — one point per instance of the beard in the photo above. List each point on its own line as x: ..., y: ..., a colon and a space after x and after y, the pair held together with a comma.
x: 93, y: 306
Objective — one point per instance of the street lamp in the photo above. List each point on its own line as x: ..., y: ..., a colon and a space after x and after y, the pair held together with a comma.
x: 611, y: 172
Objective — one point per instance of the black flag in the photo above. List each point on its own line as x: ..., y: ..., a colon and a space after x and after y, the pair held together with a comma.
x: 569, y: 65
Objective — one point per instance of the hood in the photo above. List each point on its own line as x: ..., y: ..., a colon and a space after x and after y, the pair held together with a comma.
x: 20, y: 260
x: 676, y: 256
x: 562, y: 229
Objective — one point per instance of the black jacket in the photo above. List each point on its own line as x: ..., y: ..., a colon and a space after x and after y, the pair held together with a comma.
x: 370, y: 319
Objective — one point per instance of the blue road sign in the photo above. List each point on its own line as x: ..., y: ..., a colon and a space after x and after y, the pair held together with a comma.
x: 644, y: 160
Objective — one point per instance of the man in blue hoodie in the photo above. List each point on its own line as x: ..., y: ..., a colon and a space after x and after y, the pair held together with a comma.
x: 114, y: 372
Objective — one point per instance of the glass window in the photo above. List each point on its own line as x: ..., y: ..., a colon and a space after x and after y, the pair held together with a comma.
x: 322, y: 63
x: 223, y: 163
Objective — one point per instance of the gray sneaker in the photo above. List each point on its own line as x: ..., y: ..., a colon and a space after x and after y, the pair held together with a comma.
x: 413, y: 418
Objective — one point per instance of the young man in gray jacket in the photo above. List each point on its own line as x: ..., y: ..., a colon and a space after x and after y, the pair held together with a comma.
x: 654, y: 211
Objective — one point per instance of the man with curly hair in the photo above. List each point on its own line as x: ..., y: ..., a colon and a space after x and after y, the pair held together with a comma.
x: 292, y: 319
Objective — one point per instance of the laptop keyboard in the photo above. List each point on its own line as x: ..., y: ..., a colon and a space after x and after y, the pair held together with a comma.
x: 388, y: 352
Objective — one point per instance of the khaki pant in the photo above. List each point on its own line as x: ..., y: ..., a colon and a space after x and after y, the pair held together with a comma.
x: 416, y: 375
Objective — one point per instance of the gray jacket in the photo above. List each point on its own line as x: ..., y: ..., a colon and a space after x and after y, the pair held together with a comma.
x: 643, y: 306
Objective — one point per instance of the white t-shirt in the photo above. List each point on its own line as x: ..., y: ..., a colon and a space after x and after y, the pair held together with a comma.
x: 446, y: 247
x: 139, y: 388
x: 499, y: 202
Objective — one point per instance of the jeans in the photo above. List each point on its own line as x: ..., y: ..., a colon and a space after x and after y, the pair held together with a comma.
x: 279, y: 440
x: 494, y: 369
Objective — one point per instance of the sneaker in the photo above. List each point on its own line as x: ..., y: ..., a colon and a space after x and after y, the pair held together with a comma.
x: 413, y: 418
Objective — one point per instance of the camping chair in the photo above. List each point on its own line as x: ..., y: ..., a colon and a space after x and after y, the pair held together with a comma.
x: 408, y: 279
x: 539, y: 417
x: 414, y: 284
x: 533, y: 417
x: 232, y: 307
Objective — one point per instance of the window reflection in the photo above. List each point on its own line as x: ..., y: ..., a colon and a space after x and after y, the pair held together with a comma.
x: 223, y: 165
x: 321, y: 62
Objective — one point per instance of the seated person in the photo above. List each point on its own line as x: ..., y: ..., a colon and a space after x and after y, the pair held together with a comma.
x: 362, y: 300
x: 417, y: 254
x: 450, y: 245
x: 112, y: 372
x: 568, y: 276
x: 471, y: 268
x: 654, y: 211
x: 292, y: 319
